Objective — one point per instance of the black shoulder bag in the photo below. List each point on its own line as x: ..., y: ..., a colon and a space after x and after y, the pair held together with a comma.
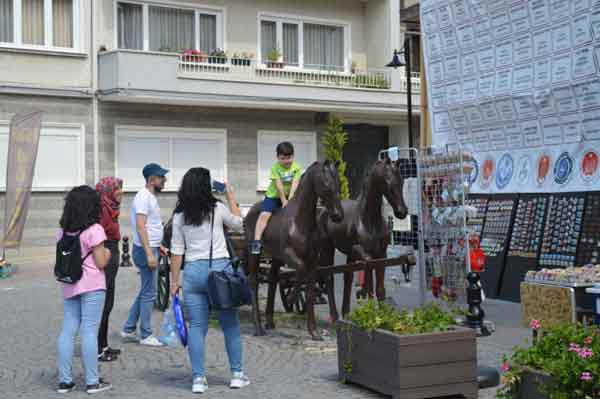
x: 229, y: 288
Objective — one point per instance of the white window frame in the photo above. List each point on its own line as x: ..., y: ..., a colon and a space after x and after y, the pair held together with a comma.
x: 81, y: 169
x: 280, y: 19
x: 282, y: 135
x: 131, y: 131
x: 219, y: 12
x: 48, y: 32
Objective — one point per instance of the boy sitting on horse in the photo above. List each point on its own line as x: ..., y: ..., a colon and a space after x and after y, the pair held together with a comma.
x: 284, y: 179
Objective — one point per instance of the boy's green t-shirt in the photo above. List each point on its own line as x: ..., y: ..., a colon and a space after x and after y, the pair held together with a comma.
x: 287, y: 176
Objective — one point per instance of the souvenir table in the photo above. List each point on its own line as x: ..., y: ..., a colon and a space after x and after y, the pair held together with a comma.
x: 525, y: 244
x: 495, y: 239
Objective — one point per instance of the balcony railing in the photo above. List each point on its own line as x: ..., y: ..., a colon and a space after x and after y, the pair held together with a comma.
x: 222, y: 68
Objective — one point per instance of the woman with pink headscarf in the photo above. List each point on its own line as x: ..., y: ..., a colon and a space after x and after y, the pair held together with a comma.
x: 110, y: 190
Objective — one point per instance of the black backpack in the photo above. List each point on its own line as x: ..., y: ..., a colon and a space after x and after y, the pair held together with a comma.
x: 69, y: 262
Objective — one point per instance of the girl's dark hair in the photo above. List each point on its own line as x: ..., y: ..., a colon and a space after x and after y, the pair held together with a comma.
x: 82, y: 209
x: 286, y: 149
x: 195, y: 198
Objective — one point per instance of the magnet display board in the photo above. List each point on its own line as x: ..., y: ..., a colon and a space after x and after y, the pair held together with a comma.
x: 517, y: 84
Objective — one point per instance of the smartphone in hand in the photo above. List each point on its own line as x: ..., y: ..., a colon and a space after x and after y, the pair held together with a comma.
x: 219, y: 187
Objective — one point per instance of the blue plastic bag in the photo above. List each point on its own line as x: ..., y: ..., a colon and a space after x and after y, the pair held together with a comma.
x: 168, y: 329
x: 180, y: 320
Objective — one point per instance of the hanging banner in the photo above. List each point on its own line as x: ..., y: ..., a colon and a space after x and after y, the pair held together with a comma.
x: 22, y: 153
x: 517, y: 84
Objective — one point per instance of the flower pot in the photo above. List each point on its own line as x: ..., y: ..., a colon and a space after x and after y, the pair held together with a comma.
x: 217, y: 60
x: 409, y: 366
x: 530, y: 382
x: 275, y: 64
x: 240, y: 61
x: 198, y: 59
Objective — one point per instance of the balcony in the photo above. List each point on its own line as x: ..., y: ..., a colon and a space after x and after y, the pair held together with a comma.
x: 135, y: 76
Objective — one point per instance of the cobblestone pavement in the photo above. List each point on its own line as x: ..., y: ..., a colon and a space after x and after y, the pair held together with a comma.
x: 283, y: 365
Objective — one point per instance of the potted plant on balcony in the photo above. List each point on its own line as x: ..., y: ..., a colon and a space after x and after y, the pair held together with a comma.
x: 274, y: 59
x: 192, y: 55
x: 242, y: 59
x: 562, y: 362
x: 407, y: 354
x: 217, y: 56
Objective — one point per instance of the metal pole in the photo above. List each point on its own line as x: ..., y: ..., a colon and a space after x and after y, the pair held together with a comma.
x: 407, y: 68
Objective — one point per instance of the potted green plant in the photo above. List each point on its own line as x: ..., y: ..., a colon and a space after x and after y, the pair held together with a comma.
x: 407, y: 354
x: 274, y: 59
x: 334, y: 140
x: 562, y: 362
x: 217, y: 56
x: 242, y: 59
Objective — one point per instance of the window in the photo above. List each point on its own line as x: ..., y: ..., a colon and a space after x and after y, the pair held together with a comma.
x: 305, y: 44
x: 305, y: 151
x: 169, y: 29
x: 39, y: 23
x: 52, y: 173
x: 176, y: 149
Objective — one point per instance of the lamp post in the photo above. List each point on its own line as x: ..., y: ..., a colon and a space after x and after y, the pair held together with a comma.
x: 395, y: 63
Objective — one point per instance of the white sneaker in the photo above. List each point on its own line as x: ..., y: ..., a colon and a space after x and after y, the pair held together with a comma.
x: 200, y: 385
x: 239, y: 380
x: 151, y: 340
x: 129, y: 337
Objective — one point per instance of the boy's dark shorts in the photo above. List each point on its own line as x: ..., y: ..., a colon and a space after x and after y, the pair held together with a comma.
x: 270, y: 204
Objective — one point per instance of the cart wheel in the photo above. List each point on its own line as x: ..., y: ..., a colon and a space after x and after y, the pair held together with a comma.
x: 163, y: 285
x: 284, y: 291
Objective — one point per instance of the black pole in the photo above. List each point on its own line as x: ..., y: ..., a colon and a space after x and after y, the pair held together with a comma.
x: 408, y: 90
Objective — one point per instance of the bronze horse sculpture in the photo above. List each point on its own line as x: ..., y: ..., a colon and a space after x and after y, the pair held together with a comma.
x: 291, y: 239
x: 363, y: 234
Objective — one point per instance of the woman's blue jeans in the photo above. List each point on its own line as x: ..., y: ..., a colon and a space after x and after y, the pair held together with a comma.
x: 81, y: 313
x: 195, y: 293
x: 144, y: 302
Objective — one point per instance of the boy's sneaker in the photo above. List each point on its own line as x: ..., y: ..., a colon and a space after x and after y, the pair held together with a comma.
x: 101, y: 386
x: 151, y: 340
x: 129, y: 336
x: 66, y: 387
x: 255, y: 247
x: 239, y: 380
x: 200, y: 385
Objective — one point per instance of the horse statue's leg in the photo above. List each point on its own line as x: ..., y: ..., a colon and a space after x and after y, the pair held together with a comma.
x: 253, y: 263
x: 327, y: 258
x: 273, y: 281
x: 348, y: 280
x: 380, y: 290
x: 310, y: 306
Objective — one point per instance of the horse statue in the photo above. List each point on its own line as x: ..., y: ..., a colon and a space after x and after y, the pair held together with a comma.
x: 291, y: 239
x: 363, y: 234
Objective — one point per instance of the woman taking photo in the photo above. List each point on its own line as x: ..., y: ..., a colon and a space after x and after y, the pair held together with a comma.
x: 110, y: 190
x: 83, y: 300
x: 192, y: 237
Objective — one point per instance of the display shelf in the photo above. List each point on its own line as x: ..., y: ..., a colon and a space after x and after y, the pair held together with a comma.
x: 588, y: 251
x: 528, y: 227
x: 475, y: 224
x: 562, y: 230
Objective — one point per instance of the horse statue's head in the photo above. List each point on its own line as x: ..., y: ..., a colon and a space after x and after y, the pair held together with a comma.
x: 390, y: 183
x: 326, y: 183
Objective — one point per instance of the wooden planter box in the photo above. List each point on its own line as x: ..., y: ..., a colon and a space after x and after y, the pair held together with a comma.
x: 409, y: 366
x: 530, y: 382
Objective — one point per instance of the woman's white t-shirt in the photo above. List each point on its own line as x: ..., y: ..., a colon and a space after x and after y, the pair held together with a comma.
x: 194, y: 241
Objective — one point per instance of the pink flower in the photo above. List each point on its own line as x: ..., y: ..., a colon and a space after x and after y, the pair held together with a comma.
x: 535, y: 324
x: 586, y: 376
x: 574, y: 347
x: 585, y: 353
x: 505, y: 367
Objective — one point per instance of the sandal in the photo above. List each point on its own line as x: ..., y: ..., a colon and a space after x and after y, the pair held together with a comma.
x: 106, y: 357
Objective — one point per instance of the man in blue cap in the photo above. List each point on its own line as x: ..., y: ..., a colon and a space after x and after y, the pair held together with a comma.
x: 147, y: 236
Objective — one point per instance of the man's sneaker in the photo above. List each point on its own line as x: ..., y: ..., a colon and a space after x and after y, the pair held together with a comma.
x: 66, y: 387
x: 101, y: 386
x: 200, y: 385
x: 239, y: 380
x: 129, y: 336
x: 255, y: 247
x: 151, y: 340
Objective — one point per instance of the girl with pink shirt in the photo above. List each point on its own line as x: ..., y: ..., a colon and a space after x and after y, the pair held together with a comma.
x: 84, y: 300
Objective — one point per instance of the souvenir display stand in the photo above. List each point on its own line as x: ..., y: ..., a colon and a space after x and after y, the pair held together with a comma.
x: 495, y: 240
x: 525, y: 244
x: 476, y: 222
x: 589, y: 241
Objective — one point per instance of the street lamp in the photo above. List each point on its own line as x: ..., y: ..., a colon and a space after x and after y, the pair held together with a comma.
x: 395, y: 63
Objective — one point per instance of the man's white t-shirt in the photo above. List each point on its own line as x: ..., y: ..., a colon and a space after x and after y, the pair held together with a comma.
x: 145, y: 203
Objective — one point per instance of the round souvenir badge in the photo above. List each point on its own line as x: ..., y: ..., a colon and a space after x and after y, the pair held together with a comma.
x: 588, y: 167
x: 563, y: 168
x: 543, y: 168
x: 474, y: 174
x: 524, y: 170
x: 504, y: 171
x: 487, y: 172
